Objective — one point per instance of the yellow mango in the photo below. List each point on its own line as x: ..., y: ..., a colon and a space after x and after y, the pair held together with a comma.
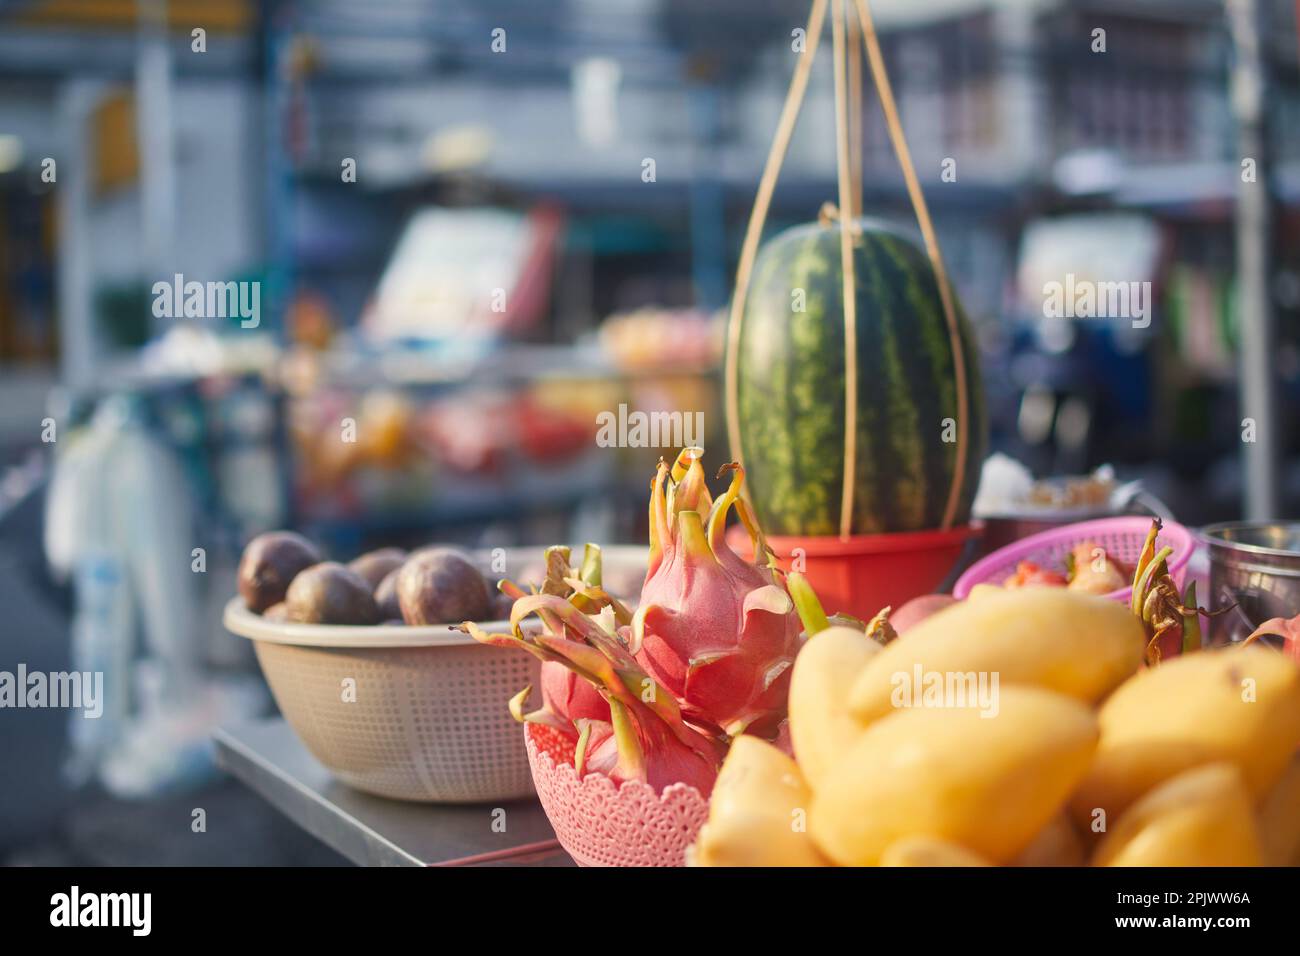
x: 821, y: 727
x: 983, y: 590
x: 1202, y: 817
x: 1279, y: 819
x: 1240, y: 704
x: 1056, y: 844
x: 987, y: 783
x: 1076, y: 644
x: 929, y: 851
x: 757, y: 812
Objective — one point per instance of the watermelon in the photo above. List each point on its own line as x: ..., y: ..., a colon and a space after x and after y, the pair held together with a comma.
x: 789, y: 386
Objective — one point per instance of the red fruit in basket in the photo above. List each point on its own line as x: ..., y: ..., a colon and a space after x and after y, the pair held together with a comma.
x: 269, y: 563
x: 718, y: 632
x: 651, y: 741
x: 1028, y: 574
x: 567, y: 695
x: 668, y: 760
x: 1094, y: 571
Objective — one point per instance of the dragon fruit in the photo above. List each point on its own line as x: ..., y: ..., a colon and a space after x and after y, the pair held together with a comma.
x: 664, y: 760
x: 720, y: 633
x: 567, y: 695
x: 1171, y: 621
x: 564, y: 693
x: 655, y: 696
x: 645, y: 737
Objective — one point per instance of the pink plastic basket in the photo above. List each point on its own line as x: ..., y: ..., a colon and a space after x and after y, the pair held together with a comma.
x: 600, y: 823
x: 1121, y: 537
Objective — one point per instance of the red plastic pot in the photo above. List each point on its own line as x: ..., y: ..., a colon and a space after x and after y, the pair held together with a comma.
x: 864, y: 573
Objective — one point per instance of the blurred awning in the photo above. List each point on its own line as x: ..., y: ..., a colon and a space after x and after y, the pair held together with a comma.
x: 215, y: 16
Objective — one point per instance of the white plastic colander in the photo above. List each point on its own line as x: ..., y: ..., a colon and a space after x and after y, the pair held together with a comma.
x: 413, y: 713
x: 425, y: 714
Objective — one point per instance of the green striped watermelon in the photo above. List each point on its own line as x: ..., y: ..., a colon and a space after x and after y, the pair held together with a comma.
x: 790, y: 381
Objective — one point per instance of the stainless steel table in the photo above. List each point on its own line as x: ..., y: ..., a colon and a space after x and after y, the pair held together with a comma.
x: 372, y: 831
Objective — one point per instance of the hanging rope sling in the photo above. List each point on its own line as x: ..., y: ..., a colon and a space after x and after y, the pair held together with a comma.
x: 847, y: 65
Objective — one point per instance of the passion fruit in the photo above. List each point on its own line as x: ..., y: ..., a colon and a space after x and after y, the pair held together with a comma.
x: 329, y: 593
x: 374, y: 566
x: 442, y: 586
x: 386, y: 596
x: 269, y: 563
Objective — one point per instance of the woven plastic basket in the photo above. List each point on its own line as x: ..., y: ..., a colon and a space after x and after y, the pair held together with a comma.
x: 1121, y: 537
x: 413, y: 713
x: 600, y: 823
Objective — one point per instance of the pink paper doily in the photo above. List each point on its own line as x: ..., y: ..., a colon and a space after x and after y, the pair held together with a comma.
x: 600, y: 823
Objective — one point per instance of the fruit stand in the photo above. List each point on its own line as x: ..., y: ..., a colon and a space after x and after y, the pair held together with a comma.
x: 685, y: 436
x: 948, y: 733
x: 772, y: 680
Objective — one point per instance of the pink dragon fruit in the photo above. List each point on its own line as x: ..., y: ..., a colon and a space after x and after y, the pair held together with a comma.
x: 567, y: 695
x: 666, y: 760
x: 718, y: 632
x: 564, y: 693
x: 645, y: 737
x: 655, y: 695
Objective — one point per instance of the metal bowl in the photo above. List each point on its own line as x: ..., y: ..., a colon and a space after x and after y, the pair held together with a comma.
x: 1256, y: 566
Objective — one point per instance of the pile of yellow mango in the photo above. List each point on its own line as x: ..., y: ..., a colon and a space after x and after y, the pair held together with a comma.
x: 1018, y: 728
